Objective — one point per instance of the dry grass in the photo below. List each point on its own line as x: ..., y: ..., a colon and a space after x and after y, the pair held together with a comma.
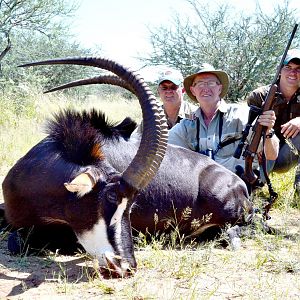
x: 19, y: 133
x: 267, y: 266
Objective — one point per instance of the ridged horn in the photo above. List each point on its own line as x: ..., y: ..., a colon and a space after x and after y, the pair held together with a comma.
x: 104, y: 79
x: 153, y: 144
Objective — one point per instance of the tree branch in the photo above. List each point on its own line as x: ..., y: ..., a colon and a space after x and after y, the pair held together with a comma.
x: 7, y: 48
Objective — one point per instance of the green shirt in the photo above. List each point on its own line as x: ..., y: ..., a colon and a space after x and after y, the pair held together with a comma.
x: 186, y: 111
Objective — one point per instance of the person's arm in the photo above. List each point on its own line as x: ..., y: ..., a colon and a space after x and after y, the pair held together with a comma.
x: 256, y: 97
x: 178, y: 135
x: 291, y: 128
x: 267, y: 118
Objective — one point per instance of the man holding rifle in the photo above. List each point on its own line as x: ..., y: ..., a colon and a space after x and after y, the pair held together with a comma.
x: 287, y: 110
x: 216, y: 127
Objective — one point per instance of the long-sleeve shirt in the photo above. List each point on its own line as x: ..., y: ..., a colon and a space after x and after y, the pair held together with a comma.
x: 284, y: 110
x: 235, y: 118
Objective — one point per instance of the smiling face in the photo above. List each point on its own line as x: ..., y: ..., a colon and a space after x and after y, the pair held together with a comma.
x: 290, y: 75
x: 170, y: 93
x: 206, y: 88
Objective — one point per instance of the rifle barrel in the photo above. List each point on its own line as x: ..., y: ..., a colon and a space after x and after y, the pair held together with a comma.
x: 285, y: 53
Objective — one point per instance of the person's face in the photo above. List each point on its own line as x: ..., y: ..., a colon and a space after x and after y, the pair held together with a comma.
x: 206, y: 88
x: 170, y: 92
x: 290, y: 75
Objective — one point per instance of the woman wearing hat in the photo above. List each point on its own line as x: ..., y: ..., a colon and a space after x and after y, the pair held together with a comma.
x: 215, y: 121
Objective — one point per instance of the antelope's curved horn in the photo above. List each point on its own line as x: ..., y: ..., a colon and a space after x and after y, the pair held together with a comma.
x: 153, y: 144
x: 104, y: 79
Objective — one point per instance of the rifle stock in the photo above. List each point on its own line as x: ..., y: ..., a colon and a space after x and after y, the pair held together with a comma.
x: 258, y: 131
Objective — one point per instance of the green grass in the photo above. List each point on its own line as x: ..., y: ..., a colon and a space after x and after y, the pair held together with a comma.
x: 283, y: 185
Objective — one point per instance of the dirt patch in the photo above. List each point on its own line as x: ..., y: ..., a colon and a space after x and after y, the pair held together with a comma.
x: 37, y: 278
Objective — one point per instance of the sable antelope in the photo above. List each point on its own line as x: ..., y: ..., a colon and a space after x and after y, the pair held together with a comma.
x: 94, y: 177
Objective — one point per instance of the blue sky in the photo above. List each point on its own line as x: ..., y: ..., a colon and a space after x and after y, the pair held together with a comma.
x: 120, y: 26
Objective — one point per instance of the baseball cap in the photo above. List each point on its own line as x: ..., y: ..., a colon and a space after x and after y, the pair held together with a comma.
x: 292, y: 54
x: 170, y: 75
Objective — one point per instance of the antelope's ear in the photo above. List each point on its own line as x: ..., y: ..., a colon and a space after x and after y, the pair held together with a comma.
x: 81, y: 184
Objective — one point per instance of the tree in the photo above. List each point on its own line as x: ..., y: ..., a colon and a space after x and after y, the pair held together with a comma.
x: 36, y: 30
x: 34, y: 47
x: 29, y: 15
x: 248, y: 48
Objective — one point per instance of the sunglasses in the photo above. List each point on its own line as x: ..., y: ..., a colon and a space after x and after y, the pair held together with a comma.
x: 171, y: 87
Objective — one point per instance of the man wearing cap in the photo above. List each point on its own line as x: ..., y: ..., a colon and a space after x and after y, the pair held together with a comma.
x: 170, y: 91
x: 287, y: 111
x: 215, y: 121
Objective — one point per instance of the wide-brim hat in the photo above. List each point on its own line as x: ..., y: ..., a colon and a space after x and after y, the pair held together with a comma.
x: 293, y: 54
x: 207, y: 68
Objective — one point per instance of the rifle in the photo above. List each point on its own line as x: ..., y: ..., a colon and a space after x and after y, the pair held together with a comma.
x: 258, y: 131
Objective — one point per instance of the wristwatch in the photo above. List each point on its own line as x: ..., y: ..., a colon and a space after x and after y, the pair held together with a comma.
x: 270, y: 134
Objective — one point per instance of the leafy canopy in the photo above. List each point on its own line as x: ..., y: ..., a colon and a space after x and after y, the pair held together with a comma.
x: 247, y: 47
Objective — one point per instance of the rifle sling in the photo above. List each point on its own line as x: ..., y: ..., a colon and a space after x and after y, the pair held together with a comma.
x: 227, y: 142
x: 272, y: 193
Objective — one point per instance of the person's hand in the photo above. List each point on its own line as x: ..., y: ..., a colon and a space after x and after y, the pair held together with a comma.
x: 267, y: 118
x: 291, y: 128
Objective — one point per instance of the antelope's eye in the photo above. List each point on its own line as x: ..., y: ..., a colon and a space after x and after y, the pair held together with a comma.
x: 112, y: 197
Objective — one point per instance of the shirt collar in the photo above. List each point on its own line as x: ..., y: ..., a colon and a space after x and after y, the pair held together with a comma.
x: 280, y: 99
x: 223, y: 107
x: 181, y: 112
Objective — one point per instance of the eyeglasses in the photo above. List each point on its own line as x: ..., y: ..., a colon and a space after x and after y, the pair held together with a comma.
x: 202, y: 84
x: 171, y: 87
x: 290, y: 69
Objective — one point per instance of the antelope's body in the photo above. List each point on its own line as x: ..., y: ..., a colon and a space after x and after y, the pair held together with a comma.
x: 35, y: 194
x: 90, y: 176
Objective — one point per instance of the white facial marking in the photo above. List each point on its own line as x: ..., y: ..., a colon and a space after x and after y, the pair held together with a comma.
x: 116, y: 220
x: 96, y: 243
x: 119, y: 212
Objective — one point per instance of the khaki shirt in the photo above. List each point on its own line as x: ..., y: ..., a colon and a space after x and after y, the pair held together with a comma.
x: 185, y: 112
x: 235, y: 118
